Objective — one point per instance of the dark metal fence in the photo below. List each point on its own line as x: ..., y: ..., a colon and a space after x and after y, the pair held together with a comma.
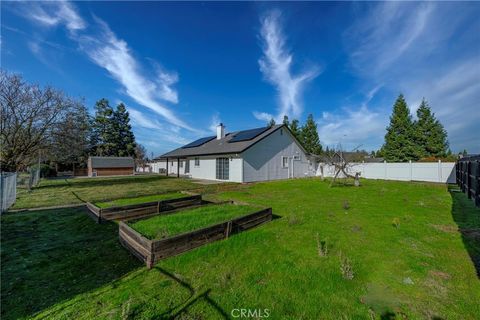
x: 468, y: 177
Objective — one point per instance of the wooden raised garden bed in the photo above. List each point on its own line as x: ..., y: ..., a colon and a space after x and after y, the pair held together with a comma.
x: 150, y: 251
x: 135, y: 211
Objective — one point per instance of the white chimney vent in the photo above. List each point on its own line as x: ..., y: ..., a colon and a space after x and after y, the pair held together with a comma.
x: 220, y: 131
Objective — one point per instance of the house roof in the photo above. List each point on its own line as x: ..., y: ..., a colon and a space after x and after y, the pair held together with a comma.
x: 222, y: 146
x: 111, y: 162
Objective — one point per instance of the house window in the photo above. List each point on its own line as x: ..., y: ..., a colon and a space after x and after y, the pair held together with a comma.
x: 197, y: 162
x: 296, y: 158
x: 171, y: 163
x: 181, y: 164
x: 284, y: 162
x: 222, y: 169
x: 281, y: 132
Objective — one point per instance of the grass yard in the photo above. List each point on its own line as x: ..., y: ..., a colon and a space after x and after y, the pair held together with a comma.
x: 411, y: 248
x: 138, y: 200
x: 160, y: 227
x: 56, y: 192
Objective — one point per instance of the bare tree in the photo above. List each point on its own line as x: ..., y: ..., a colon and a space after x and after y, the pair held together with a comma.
x: 342, y: 166
x: 140, y: 156
x: 29, y: 115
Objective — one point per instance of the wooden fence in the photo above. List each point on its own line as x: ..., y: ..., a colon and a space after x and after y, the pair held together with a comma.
x: 151, y: 251
x: 142, y: 210
x: 468, y: 177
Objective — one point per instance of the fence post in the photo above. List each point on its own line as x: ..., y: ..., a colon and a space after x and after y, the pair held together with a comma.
x: 2, y: 192
x: 439, y: 170
x: 411, y: 169
x: 385, y: 166
x: 469, y: 181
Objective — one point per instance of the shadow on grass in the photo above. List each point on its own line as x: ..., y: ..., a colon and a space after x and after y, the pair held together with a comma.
x: 53, y: 255
x: 467, y: 218
x: 182, y: 308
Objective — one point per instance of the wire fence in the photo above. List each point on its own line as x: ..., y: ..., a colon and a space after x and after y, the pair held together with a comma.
x: 8, y: 190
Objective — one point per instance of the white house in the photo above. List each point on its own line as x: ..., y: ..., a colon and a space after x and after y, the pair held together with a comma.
x: 260, y: 154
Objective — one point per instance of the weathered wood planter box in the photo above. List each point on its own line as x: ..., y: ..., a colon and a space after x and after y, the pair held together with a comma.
x: 143, y: 209
x: 151, y: 251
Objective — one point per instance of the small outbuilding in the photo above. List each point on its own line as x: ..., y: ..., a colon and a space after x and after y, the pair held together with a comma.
x: 110, y: 166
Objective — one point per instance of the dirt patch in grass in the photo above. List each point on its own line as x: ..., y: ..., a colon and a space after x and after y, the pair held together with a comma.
x: 445, y: 228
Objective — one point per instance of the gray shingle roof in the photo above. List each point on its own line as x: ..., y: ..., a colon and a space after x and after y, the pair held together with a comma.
x: 111, y: 162
x: 221, y: 146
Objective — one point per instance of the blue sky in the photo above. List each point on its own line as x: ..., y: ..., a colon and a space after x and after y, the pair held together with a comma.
x: 181, y: 68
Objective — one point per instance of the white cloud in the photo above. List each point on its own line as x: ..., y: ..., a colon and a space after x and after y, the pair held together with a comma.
x: 114, y: 55
x: 53, y: 13
x: 352, y: 127
x: 410, y: 48
x: 138, y: 119
x: 214, y: 122
x: 106, y: 50
x: 276, y: 65
x: 263, y: 116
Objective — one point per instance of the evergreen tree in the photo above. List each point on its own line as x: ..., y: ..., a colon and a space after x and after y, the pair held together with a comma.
x: 105, y: 131
x: 430, y: 136
x: 124, y: 138
x: 285, y: 121
x: 400, y: 143
x: 271, y: 123
x: 310, y: 139
x: 295, y: 128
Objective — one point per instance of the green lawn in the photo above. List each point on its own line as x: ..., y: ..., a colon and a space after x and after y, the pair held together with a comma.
x: 56, y: 192
x: 166, y: 226
x: 411, y: 247
x: 137, y: 200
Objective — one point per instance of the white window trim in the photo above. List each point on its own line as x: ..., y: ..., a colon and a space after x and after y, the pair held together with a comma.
x: 297, y: 158
x: 195, y: 162
x: 284, y: 164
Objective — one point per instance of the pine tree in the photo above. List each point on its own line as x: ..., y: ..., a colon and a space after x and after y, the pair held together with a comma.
x: 124, y: 139
x: 400, y: 143
x: 271, y: 123
x: 430, y: 135
x: 285, y: 121
x: 295, y: 128
x: 310, y: 139
x: 104, y: 127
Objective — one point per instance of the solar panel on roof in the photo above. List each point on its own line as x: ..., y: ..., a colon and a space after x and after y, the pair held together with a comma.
x: 198, y: 142
x: 248, y: 134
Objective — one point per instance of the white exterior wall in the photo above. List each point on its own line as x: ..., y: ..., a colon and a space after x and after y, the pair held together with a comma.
x: 172, y: 169
x: 207, y: 168
x: 263, y: 161
x: 443, y: 172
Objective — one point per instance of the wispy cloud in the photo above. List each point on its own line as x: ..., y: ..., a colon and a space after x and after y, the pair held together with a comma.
x: 113, y: 54
x: 276, y: 66
x: 352, y: 127
x: 140, y: 120
x: 214, y: 122
x: 54, y: 13
x: 407, y: 47
x: 263, y: 116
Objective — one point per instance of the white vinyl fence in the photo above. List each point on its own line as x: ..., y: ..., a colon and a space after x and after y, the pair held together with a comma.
x: 443, y: 172
x: 8, y: 190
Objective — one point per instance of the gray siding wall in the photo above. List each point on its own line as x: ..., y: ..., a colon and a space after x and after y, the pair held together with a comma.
x: 263, y: 161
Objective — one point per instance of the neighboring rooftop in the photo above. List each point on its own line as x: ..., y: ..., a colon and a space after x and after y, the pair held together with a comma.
x: 234, y: 142
x: 111, y: 162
